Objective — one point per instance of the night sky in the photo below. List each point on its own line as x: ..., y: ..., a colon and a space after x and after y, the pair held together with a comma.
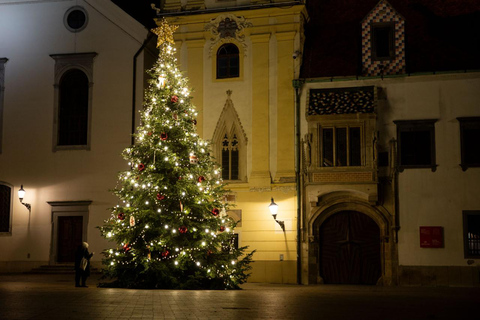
x: 141, y: 10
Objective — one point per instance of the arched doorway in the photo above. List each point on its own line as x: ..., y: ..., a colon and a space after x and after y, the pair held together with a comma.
x: 349, y: 249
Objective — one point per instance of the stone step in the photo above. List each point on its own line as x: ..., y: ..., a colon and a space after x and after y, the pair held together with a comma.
x: 59, y: 269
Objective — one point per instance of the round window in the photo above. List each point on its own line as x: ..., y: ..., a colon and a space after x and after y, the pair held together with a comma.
x: 75, y: 19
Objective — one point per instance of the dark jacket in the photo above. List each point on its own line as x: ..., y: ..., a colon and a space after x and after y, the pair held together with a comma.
x: 82, y: 253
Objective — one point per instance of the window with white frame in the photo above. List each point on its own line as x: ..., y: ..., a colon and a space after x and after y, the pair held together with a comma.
x: 73, y: 101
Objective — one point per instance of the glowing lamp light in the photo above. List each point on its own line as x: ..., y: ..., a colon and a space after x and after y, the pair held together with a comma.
x: 273, y: 207
x: 21, y: 195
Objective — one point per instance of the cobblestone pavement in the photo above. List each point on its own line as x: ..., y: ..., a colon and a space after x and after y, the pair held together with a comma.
x: 55, y: 297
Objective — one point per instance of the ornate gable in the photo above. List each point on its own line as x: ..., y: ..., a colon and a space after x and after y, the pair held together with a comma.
x: 383, y: 15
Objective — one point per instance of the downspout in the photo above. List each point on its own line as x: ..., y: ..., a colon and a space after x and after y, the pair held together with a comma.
x: 297, y: 84
x: 134, y: 83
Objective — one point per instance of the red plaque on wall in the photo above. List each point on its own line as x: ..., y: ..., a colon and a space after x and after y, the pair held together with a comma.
x: 431, y: 237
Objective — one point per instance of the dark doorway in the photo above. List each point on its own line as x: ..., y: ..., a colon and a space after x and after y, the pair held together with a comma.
x: 70, y: 230
x: 349, y: 249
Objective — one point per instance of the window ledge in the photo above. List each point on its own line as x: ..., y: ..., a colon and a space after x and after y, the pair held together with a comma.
x: 432, y: 167
x: 466, y: 166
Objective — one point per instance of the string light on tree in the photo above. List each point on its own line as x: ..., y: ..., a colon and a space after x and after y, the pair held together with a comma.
x: 172, y: 196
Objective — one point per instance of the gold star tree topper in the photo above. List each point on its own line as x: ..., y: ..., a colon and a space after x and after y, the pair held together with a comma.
x: 164, y: 32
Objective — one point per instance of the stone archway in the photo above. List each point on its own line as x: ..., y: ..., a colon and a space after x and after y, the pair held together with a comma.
x: 328, y: 207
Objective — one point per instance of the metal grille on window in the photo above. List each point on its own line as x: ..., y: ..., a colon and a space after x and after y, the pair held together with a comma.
x: 230, y: 157
x: 5, y: 196
x: 473, y: 235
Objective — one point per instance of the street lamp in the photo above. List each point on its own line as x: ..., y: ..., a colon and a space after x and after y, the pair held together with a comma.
x: 21, y: 195
x: 273, y: 210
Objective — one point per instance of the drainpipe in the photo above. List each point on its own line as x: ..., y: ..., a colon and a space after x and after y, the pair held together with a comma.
x: 134, y: 87
x: 297, y: 84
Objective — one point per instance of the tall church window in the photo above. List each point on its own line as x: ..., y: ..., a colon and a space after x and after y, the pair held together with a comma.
x: 73, y: 109
x: 230, y: 144
x: 5, y: 208
x: 228, y: 61
x: 73, y: 101
x: 230, y: 157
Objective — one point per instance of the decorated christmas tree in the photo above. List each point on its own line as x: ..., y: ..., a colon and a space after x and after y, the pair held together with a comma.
x: 170, y: 227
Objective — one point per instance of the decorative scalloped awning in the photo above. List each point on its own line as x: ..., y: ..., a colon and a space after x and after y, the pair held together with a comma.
x: 341, y: 101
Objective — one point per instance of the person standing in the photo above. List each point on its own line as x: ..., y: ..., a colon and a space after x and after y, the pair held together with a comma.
x: 82, y: 272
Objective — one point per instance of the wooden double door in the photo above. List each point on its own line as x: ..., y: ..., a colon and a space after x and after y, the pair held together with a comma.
x: 69, y: 237
x: 349, y: 249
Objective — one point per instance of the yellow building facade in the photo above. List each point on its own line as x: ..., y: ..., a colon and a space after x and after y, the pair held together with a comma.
x: 241, y: 61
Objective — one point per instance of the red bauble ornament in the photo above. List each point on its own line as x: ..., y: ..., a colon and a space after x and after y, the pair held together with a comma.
x: 164, y: 136
x: 160, y: 196
x: 201, y: 179
x: 174, y: 99
x: 222, y: 228
x: 165, y: 253
x: 141, y: 166
x: 215, y: 212
x: 150, y: 133
x: 194, y: 121
x: 121, y: 216
x: 127, y: 247
x: 183, y: 229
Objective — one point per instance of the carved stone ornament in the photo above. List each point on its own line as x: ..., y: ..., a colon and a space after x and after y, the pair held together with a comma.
x: 225, y: 27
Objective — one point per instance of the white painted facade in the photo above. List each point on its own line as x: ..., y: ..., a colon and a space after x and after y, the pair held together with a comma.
x: 31, y: 31
x: 425, y: 198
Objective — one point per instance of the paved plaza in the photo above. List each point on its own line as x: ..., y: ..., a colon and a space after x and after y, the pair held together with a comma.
x: 55, y: 297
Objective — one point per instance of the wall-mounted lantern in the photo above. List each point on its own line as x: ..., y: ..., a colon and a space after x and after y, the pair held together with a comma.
x: 21, y: 195
x: 273, y: 210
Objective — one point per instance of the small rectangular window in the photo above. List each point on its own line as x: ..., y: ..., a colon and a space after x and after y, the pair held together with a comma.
x: 382, y: 41
x: 416, y: 144
x: 469, y: 142
x: 341, y: 146
x: 471, y: 233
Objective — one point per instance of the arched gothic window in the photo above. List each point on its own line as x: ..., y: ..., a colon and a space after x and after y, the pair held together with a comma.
x: 230, y: 157
x: 228, y: 61
x: 73, y: 109
x: 230, y: 144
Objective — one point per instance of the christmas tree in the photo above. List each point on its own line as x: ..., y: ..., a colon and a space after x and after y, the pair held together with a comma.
x: 171, y: 229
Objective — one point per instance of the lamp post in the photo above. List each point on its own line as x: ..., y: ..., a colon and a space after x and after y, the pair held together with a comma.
x: 21, y: 195
x: 273, y: 207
